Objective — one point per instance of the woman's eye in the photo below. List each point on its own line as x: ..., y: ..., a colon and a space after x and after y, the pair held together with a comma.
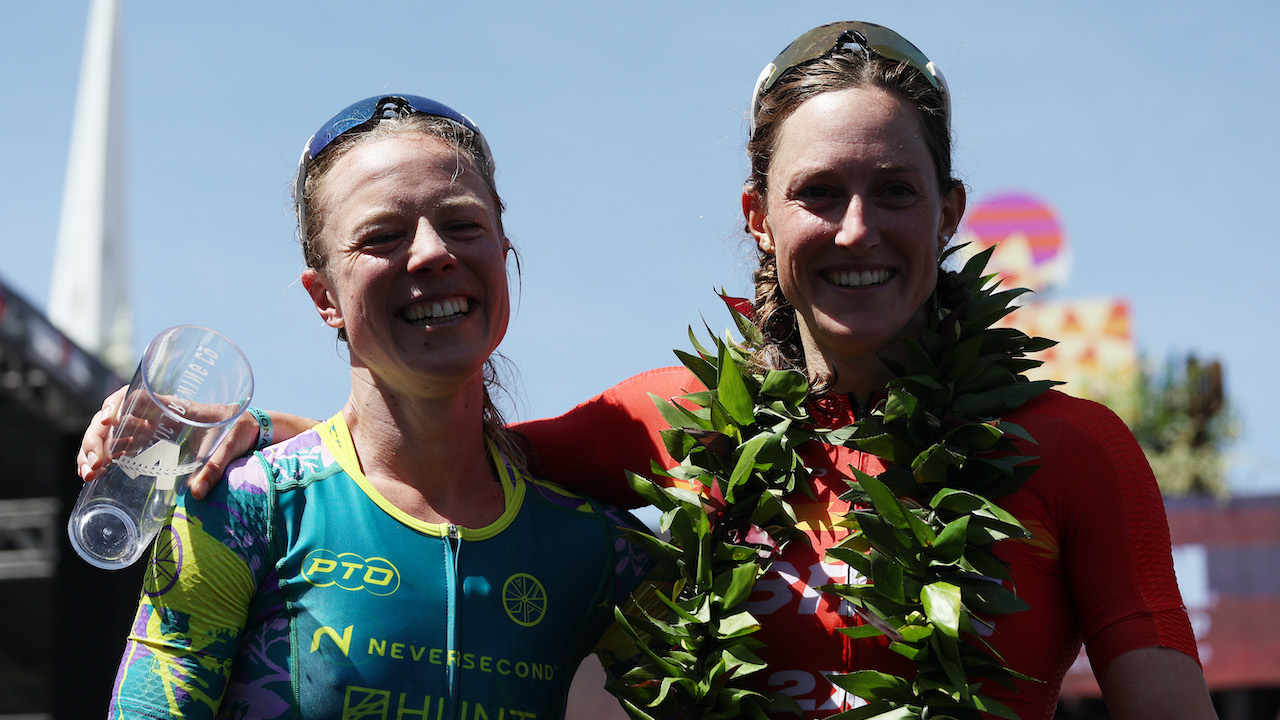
x: 898, y: 193
x: 466, y: 229
x: 815, y: 192
x: 379, y: 240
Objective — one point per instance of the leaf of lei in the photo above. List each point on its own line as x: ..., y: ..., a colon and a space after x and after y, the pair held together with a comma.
x: 921, y: 533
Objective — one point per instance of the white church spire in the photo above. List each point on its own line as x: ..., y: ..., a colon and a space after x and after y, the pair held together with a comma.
x: 89, y: 292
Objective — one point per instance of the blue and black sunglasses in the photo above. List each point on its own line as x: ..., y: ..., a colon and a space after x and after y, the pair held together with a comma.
x: 363, y: 115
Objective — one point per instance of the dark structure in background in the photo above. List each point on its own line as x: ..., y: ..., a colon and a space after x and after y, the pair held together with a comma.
x: 64, y: 621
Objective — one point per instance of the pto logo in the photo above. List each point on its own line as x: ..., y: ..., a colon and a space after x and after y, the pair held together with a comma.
x: 524, y: 599
x: 325, y: 568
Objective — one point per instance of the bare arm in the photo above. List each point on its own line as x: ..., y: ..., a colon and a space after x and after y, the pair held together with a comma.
x: 1156, y: 683
x: 92, y: 458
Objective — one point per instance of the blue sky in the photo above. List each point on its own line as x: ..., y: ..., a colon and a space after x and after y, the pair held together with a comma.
x: 618, y: 130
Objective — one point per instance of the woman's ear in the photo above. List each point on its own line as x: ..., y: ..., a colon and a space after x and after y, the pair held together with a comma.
x: 323, y: 298
x: 953, y: 204
x: 753, y: 209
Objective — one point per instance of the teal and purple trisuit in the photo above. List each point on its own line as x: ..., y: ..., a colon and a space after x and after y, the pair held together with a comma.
x: 297, y: 590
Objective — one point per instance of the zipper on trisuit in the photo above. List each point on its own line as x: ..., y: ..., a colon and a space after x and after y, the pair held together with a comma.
x: 452, y: 551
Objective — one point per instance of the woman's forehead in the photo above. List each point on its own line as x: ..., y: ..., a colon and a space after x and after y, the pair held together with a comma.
x: 419, y: 164
x: 878, y: 121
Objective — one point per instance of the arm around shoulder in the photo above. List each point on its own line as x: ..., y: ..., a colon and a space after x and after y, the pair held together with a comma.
x: 247, y: 435
x: 590, y: 448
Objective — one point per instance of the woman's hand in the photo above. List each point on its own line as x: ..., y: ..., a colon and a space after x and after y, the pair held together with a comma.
x: 240, y: 440
x: 93, y: 457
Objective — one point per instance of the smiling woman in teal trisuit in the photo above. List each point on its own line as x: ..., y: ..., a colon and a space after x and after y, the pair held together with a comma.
x: 395, y: 559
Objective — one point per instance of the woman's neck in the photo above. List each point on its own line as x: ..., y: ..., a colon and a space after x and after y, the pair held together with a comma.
x: 858, y: 376
x: 426, y: 455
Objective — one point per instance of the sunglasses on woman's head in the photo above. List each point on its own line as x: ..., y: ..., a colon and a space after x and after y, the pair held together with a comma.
x: 356, y: 117
x: 826, y: 40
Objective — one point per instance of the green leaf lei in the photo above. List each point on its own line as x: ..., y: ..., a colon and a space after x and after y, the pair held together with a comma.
x: 921, y: 532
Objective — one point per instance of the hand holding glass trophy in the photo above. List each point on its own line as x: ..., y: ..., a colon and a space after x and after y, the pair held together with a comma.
x: 189, y: 389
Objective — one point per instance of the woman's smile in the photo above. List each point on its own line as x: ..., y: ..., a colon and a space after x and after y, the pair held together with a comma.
x: 858, y: 279
x: 435, y: 312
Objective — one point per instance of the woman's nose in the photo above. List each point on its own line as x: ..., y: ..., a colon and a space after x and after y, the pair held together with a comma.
x: 855, y: 228
x: 429, y: 251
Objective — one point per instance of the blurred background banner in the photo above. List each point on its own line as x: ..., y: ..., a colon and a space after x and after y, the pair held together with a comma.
x: 1033, y: 253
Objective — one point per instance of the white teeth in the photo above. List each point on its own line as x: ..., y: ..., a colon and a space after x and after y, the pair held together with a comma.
x: 437, y: 310
x: 859, y: 279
